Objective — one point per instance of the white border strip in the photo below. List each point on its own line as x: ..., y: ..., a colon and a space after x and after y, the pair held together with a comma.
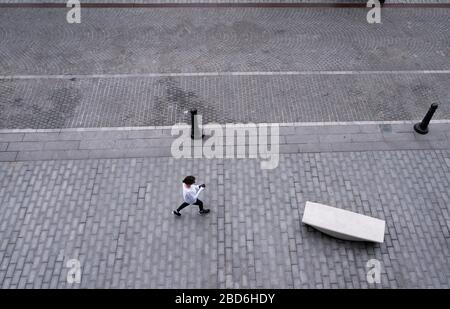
x: 289, y: 124
x: 212, y: 74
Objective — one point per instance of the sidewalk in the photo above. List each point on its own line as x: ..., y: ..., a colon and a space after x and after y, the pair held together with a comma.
x: 114, y: 213
x: 146, y: 67
x: 137, y: 142
x: 83, y: 177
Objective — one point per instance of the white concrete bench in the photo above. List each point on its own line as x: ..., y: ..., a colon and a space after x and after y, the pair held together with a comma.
x: 343, y: 224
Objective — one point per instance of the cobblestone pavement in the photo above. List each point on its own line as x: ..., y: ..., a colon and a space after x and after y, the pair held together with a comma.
x: 225, y: 99
x: 143, y: 142
x: 114, y: 216
x: 120, y: 41
x: 114, y: 213
x: 56, y: 75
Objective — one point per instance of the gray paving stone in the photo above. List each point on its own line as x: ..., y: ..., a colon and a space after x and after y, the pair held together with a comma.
x: 367, y: 137
x: 123, y: 153
x: 408, y: 136
x: 111, y: 208
x: 114, y: 145
x: 289, y: 148
x: 11, y: 137
x: 401, y: 128
x: 438, y: 127
x: 25, y: 146
x: 431, y: 136
x: 61, y: 145
x: 97, y: 144
x: 369, y: 128
x: 8, y: 156
x: 399, y: 145
x: 148, y: 133
x: 323, y: 147
x: 327, y: 129
x: 39, y: 137
x: 95, y: 96
x: 439, y: 144
x: 87, y: 134
x: 70, y: 154
x: 335, y: 138
x: 302, y: 139
x: 35, y: 155
x: 288, y: 130
x: 143, y: 143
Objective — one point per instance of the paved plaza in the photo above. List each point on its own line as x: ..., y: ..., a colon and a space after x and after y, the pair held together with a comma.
x: 114, y: 216
x: 87, y: 172
x: 145, y: 67
x: 105, y: 198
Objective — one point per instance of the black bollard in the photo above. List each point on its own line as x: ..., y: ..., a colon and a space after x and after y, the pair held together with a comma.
x: 196, y: 132
x: 193, y: 114
x: 422, y: 127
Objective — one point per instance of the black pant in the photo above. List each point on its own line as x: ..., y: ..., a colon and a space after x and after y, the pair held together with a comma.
x: 197, y: 202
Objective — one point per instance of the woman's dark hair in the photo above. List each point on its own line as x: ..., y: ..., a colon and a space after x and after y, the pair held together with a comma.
x: 189, y: 180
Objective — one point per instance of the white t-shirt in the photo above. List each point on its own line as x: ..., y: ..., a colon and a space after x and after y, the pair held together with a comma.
x: 190, y: 194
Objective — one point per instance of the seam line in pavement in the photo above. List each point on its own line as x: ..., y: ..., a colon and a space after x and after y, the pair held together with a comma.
x: 184, y: 125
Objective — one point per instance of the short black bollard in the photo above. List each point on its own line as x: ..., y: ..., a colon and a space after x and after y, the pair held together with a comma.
x: 422, y: 127
x: 196, y: 132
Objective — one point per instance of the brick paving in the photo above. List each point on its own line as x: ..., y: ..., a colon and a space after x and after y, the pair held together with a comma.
x: 120, y: 41
x: 105, y: 196
x: 59, y: 75
x: 125, y: 102
x: 114, y: 213
x: 114, y: 216
x: 138, y: 142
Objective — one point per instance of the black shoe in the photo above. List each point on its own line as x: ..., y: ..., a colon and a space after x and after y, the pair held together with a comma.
x: 176, y: 213
x: 204, y: 211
